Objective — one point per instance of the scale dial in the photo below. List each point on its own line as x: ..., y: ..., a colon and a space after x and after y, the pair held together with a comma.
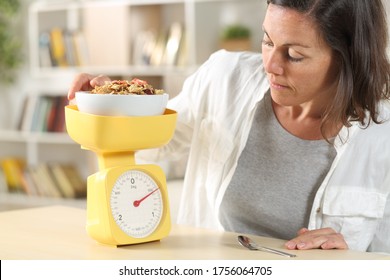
x: 136, y: 203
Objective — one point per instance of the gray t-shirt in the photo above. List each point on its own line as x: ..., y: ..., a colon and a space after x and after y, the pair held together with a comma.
x: 278, y: 174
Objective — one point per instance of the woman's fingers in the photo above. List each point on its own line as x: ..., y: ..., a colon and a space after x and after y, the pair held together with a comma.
x: 325, y: 238
x: 85, y: 82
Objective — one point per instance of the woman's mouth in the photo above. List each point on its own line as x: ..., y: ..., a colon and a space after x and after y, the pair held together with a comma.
x: 277, y: 86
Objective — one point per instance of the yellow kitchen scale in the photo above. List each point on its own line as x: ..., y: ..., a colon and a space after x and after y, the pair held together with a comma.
x: 127, y: 203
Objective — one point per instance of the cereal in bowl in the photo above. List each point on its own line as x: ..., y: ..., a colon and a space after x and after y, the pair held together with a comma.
x: 135, y: 86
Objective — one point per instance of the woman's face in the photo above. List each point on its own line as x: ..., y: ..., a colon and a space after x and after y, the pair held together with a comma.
x: 300, y: 66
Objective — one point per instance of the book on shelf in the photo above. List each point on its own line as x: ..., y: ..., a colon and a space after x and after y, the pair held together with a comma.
x: 57, y: 47
x: 45, y: 181
x: 182, y: 55
x: 62, y: 181
x: 23, y: 109
x: 62, y: 48
x: 70, y: 56
x: 12, y: 168
x: 3, y: 182
x: 173, y: 44
x: 28, y: 182
x: 80, y: 48
x: 58, y: 180
x: 69, y: 180
x: 43, y: 113
x: 144, y: 44
x: 164, y: 49
x: 51, y: 114
x: 27, y: 112
x: 40, y: 114
x: 156, y: 56
x: 44, y: 53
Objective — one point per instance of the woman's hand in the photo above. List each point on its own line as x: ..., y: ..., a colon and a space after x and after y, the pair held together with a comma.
x: 85, y: 82
x: 324, y: 238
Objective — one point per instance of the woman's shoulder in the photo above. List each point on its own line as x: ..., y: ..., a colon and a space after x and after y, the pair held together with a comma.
x: 222, y: 53
x: 378, y: 131
x: 384, y: 109
x: 232, y: 68
x: 229, y: 58
x: 384, y: 117
x: 226, y: 78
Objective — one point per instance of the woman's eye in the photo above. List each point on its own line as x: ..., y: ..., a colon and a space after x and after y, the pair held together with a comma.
x: 267, y: 43
x: 290, y: 54
x: 294, y: 57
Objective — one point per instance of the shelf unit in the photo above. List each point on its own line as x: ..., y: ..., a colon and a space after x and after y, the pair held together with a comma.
x: 38, y: 147
x: 202, y: 22
x: 119, y: 22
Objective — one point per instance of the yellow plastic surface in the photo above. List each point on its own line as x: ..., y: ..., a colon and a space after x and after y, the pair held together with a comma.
x: 114, y: 140
x: 116, y: 134
x: 100, y: 224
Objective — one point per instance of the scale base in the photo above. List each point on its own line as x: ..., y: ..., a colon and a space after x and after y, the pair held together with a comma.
x: 100, y: 223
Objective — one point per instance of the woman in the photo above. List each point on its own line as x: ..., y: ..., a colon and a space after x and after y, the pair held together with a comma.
x: 293, y: 143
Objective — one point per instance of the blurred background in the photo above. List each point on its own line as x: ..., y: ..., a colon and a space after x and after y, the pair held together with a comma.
x: 44, y: 44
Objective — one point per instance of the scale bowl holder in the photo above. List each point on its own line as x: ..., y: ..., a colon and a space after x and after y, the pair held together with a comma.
x: 107, y: 134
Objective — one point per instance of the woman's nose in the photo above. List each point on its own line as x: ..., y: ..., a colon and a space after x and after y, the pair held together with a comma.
x: 273, y: 63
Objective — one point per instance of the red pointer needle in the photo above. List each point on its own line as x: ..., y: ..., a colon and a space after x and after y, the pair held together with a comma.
x: 136, y: 203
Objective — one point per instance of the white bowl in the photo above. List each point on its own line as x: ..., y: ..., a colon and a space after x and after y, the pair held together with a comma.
x: 121, y: 105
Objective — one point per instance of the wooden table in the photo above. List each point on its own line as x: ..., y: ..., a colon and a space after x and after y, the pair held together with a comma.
x: 58, y: 232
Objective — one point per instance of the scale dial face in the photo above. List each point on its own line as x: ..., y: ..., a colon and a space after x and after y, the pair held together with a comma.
x: 136, y: 203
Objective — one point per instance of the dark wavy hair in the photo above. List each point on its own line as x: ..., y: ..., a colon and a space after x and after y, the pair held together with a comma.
x: 357, y: 32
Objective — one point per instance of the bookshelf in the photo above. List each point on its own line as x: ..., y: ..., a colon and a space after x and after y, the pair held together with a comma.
x: 115, y: 35
x: 119, y: 38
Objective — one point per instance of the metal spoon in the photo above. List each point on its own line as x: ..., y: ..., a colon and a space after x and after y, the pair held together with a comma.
x: 251, y: 245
